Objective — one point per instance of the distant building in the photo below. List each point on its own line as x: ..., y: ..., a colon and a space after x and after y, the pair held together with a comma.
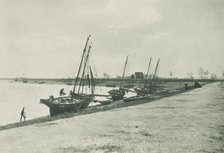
x: 139, y: 75
x: 132, y: 76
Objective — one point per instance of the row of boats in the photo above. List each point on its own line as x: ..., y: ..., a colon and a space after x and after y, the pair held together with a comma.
x: 79, y: 99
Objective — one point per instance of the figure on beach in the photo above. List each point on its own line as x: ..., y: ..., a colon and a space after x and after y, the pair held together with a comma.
x: 23, y: 115
x: 197, y: 85
x: 61, y: 93
x: 70, y: 93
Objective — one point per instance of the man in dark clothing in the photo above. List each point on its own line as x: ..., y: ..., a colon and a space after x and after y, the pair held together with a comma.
x: 61, y: 93
x: 197, y: 85
x: 23, y: 115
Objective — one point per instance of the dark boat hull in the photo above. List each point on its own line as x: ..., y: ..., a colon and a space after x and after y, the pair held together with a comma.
x: 143, y: 91
x: 158, y: 94
x: 117, y: 97
x: 105, y: 102
x: 117, y: 94
x: 150, y: 90
x: 85, y: 104
x: 134, y: 98
x: 56, y: 110
x: 65, y: 104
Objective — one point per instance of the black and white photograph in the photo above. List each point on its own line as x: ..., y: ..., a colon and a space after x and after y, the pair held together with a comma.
x: 111, y: 76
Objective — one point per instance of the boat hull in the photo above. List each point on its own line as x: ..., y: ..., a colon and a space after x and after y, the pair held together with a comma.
x: 158, y: 94
x: 143, y: 91
x: 135, y: 98
x: 63, y: 105
x: 117, y: 94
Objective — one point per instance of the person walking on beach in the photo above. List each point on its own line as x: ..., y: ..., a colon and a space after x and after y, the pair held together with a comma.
x: 23, y: 115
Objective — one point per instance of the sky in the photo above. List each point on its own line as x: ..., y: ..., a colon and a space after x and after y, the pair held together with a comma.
x: 45, y: 38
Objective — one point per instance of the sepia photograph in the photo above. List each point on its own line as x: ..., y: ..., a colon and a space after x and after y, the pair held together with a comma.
x: 112, y: 76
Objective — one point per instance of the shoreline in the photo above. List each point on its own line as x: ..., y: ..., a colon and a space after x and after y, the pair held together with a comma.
x: 111, y: 82
x: 91, y: 110
x: 188, y: 122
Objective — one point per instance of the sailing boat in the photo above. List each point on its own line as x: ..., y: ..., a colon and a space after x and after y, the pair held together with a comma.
x: 153, y: 87
x: 118, y: 94
x: 77, y: 98
x: 145, y: 89
x: 150, y: 86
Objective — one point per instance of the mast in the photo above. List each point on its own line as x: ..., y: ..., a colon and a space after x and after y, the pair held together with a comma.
x: 156, y: 69
x: 84, y: 68
x: 92, y: 81
x: 148, y: 71
x: 123, y: 72
x: 84, y: 51
x: 83, y: 83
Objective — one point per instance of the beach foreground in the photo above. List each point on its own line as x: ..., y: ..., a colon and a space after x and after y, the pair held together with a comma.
x: 189, y: 122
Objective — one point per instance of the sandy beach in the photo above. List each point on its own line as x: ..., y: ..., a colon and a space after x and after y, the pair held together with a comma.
x: 189, y: 122
x: 111, y: 76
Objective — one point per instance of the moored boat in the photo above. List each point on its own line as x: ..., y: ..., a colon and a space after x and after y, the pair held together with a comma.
x: 135, y: 98
x: 77, y: 98
x: 150, y: 85
x: 118, y: 94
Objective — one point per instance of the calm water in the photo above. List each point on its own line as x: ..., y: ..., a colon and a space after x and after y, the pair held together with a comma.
x: 15, y: 96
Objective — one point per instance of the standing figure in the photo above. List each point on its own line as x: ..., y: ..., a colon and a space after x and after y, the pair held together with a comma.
x: 23, y: 115
x: 61, y: 93
x: 70, y: 93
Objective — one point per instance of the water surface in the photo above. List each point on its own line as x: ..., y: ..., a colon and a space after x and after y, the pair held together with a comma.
x: 16, y: 95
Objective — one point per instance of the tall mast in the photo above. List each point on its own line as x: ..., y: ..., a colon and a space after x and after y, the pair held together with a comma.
x: 84, y: 51
x: 92, y: 81
x: 154, y: 75
x: 84, y: 68
x: 123, y: 72
x: 148, y: 71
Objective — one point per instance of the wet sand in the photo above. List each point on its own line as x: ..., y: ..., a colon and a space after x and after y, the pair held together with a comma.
x: 189, y: 122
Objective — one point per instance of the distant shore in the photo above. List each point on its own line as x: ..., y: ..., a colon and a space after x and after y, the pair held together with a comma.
x: 107, y: 82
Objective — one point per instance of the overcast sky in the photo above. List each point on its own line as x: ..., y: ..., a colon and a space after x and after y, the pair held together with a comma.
x: 45, y: 38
